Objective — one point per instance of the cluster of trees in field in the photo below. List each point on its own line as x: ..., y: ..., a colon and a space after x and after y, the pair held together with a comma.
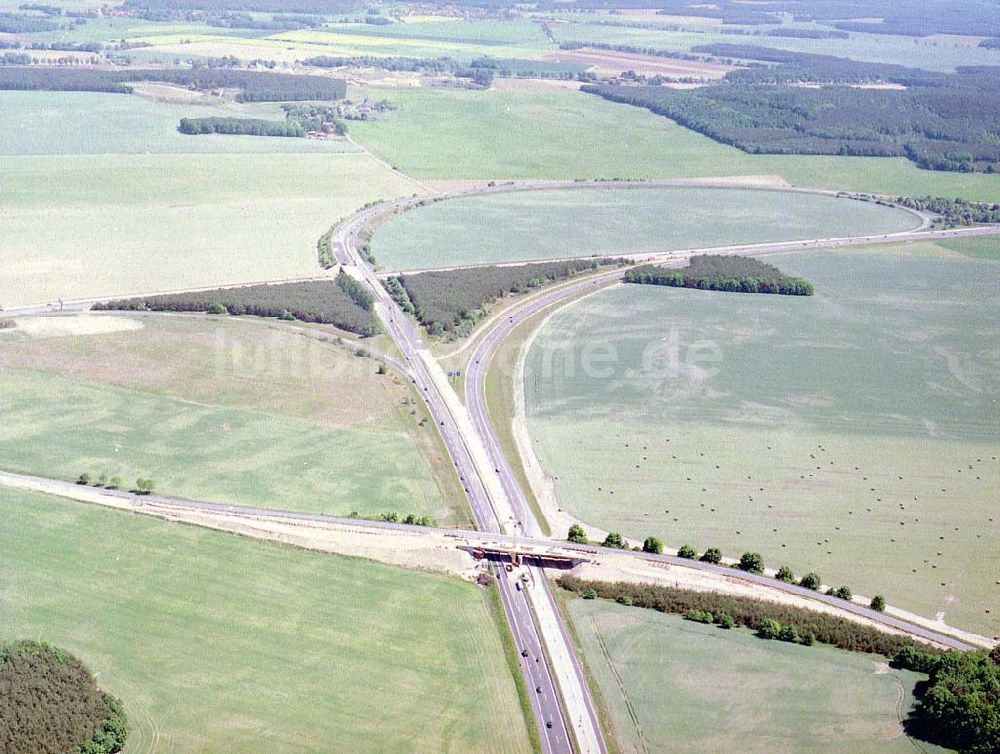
x: 24, y: 23
x: 51, y: 703
x: 300, y: 120
x: 712, y: 272
x: 241, y: 126
x: 254, y: 86
x: 940, y: 121
x: 959, y: 706
x: 748, y: 612
x: 452, y: 301
x: 320, y: 301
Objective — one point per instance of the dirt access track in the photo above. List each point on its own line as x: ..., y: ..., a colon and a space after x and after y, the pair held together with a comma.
x: 614, y: 63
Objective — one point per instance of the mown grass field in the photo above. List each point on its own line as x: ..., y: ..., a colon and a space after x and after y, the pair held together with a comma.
x: 225, y: 411
x: 576, y: 223
x: 852, y: 433
x: 674, y: 685
x: 516, y: 132
x: 82, y: 226
x: 219, y: 643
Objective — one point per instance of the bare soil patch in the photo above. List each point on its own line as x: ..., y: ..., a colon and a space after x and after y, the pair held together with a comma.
x: 615, y: 62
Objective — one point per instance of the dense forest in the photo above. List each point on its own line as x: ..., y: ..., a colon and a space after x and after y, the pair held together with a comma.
x: 452, y: 301
x: 939, y: 121
x: 712, y: 272
x: 959, y: 706
x: 254, y: 86
x: 321, y: 301
x: 50, y: 702
x: 749, y: 612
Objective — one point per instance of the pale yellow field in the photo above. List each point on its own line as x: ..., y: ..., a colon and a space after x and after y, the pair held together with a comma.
x: 86, y: 226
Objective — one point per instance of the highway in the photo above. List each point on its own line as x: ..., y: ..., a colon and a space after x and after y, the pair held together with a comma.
x: 491, y: 512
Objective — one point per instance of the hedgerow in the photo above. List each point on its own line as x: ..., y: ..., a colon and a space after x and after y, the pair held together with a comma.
x: 751, y: 613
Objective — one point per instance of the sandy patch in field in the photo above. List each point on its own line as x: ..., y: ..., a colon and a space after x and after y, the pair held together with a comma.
x: 764, y: 180
x: 950, y: 40
x: 83, y: 324
x: 170, y: 93
x: 615, y: 62
x: 535, y: 85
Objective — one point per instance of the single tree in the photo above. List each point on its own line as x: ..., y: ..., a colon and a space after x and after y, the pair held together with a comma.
x: 577, y: 535
x: 811, y: 581
x: 653, y: 545
x: 688, y: 552
x: 216, y: 308
x: 789, y: 634
x: 769, y: 629
x: 614, y: 539
x: 712, y: 555
x: 725, y: 621
x: 878, y: 603
x: 84, y: 478
x: 752, y: 562
x: 844, y: 593
x: 785, y: 574
x: 590, y: 594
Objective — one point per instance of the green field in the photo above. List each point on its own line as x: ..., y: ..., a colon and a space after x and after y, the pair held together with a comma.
x: 218, y: 643
x: 514, y: 132
x: 108, y: 225
x: 226, y: 412
x: 852, y: 432
x: 569, y: 223
x: 977, y: 248
x: 674, y: 685
x: 124, y: 124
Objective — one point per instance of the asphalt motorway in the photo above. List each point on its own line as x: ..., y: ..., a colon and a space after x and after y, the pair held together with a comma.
x: 544, y: 697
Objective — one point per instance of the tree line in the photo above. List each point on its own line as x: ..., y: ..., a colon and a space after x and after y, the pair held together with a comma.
x: 723, y: 273
x: 750, y: 613
x: 319, y: 301
x: 241, y: 126
x: 254, y: 86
